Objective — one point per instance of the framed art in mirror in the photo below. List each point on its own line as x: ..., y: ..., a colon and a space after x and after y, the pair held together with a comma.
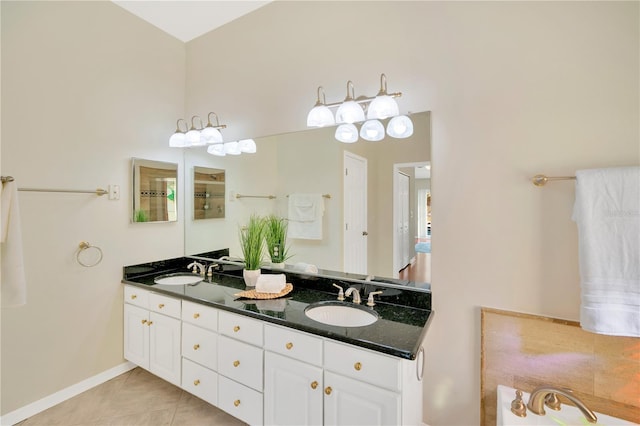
x: 155, y: 185
x: 208, y: 193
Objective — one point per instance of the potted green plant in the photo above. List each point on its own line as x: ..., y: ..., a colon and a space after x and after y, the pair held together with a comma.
x: 275, y: 237
x: 252, y: 245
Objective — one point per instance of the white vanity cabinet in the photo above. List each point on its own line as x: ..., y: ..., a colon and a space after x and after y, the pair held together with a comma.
x: 152, y: 333
x: 292, y: 378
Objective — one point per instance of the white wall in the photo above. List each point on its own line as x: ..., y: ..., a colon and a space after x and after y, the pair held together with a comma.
x: 85, y: 87
x: 515, y: 89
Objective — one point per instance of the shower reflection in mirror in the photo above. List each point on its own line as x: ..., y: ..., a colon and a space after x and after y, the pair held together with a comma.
x: 208, y: 193
x: 155, y: 186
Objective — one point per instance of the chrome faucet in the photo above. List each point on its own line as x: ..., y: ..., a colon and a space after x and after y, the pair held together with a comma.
x: 197, y: 268
x: 542, y: 393
x: 211, y: 268
x: 356, y: 294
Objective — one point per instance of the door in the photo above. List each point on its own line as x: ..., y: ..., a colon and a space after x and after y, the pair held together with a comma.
x: 292, y: 392
x: 355, y: 214
x: 164, y: 347
x: 136, y: 335
x: 402, y: 220
x: 351, y: 402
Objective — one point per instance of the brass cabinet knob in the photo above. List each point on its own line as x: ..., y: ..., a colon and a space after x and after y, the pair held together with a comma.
x: 149, y: 323
x: 144, y: 321
x: 289, y: 345
x: 133, y: 296
x: 236, y: 363
x: 328, y: 390
x: 196, y: 347
x: 236, y: 328
x: 357, y: 366
x: 314, y: 384
x: 161, y: 305
x: 236, y: 402
x: 196, y: 315
x: 196, y: 382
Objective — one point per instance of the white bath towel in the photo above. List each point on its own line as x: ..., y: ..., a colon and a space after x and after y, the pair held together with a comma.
x: 13, y: 282
x: 271, y: 283
x: 607, y: 213
x: 307, y: 268
x: 305, y: 216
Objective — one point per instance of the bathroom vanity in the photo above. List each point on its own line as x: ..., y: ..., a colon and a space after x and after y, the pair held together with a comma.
x: 265, y: 361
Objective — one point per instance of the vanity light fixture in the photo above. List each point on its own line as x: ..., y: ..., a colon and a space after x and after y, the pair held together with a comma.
x: 195, y: 136
x: 177, y: 140
x: 352, y: 110
x: 211, y: 134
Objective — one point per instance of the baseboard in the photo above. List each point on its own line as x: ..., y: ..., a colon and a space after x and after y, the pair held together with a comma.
x: 56, y: 398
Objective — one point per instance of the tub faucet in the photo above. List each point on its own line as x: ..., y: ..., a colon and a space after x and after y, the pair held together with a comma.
x: 540, y: 394
x: 356, y: 294
x: 197, y: 268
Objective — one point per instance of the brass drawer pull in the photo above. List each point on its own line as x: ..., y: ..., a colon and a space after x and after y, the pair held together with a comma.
x: 196, y: 382
x: 149, y: 323
x: 144, y: 321
x: 328, y: 390
x: 196, y: 347
x: 289, y: 345
x: 357, y: 366
x: 133, y: 296
x: 236, y: 402
x: 314, y: 384
x: 236, y: 363
x: 161, y: 305
x: 196, y: 315
x: 236, y: 328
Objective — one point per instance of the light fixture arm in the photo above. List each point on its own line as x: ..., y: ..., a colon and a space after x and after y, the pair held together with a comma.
x: 186, y: 126
x: 350, y: 95
x: 324, y: 100
x: 193, y: 127
x: 218, y: 125
x: 383, y: 85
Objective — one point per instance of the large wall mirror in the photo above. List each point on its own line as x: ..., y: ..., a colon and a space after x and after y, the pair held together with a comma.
x: 154, y: 191
x: 313, y: 162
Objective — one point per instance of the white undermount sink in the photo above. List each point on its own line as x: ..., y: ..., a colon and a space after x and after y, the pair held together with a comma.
x: 341, y: 314
x: 180, y: 278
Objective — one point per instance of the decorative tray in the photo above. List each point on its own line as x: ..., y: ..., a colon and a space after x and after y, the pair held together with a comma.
x: 253, y: 294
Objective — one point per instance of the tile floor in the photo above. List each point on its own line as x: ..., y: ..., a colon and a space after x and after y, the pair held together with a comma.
x: 136, y: 398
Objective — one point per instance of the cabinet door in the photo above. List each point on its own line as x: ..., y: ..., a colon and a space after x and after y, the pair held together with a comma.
x: 351, y: 402
x: 292, y: 392
x: 164, y: 347
x: 136, y: 335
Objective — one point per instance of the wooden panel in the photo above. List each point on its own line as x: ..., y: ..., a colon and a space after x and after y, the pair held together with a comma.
x: 524, y: 351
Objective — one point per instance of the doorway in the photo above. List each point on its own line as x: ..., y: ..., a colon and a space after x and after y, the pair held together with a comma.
x: 355, y: 214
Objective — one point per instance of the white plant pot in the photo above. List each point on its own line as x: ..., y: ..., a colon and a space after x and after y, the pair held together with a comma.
x: 250, y: 277
x: 279, y: 265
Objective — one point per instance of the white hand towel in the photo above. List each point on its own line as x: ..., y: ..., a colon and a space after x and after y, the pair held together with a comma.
x: 305, y: 216
x: 305, y: 267
x: 13, y: 282
x: 271, y: 283
x: 607, y: 213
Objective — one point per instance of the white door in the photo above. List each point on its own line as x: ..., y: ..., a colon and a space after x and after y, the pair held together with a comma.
x: 403, y: 243
x: 136, y: 335
x: 292, y: 392
x: 355, y: 214
x: 350, y: 402
x: 164, y: 347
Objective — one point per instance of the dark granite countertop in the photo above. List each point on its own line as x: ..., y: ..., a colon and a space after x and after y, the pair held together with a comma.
x: 404, y: 311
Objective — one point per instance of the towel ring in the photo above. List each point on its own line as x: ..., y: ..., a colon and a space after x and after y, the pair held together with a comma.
x: 86, y: 246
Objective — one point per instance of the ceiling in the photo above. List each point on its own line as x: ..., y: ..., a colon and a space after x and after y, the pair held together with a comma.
x: 186, y: 19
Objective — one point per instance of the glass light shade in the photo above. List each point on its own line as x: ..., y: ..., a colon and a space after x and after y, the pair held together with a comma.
x: 382, y: 107
x: 248, y: 146
x: 320, y: 116
x: 372, y: 130
x: 192, y: 138
x: 400, y: 127
x: 211, y: 135
x: 177, y: 140
x: 349, y: 112
x: 217, y: 149
x: 232, y: 148
x: 347, y: 133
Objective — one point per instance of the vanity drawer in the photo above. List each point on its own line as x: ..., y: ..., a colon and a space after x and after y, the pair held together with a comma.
x: 200, y: 315
x: 200, y: 381
x: 294, y: 344
x: 240, y: 362
x: 363, y: 365
x: 136, y: 296
x: 240, y: 327
x: 240, y: 401
x: 200, y: 345
x: 164, y: 305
